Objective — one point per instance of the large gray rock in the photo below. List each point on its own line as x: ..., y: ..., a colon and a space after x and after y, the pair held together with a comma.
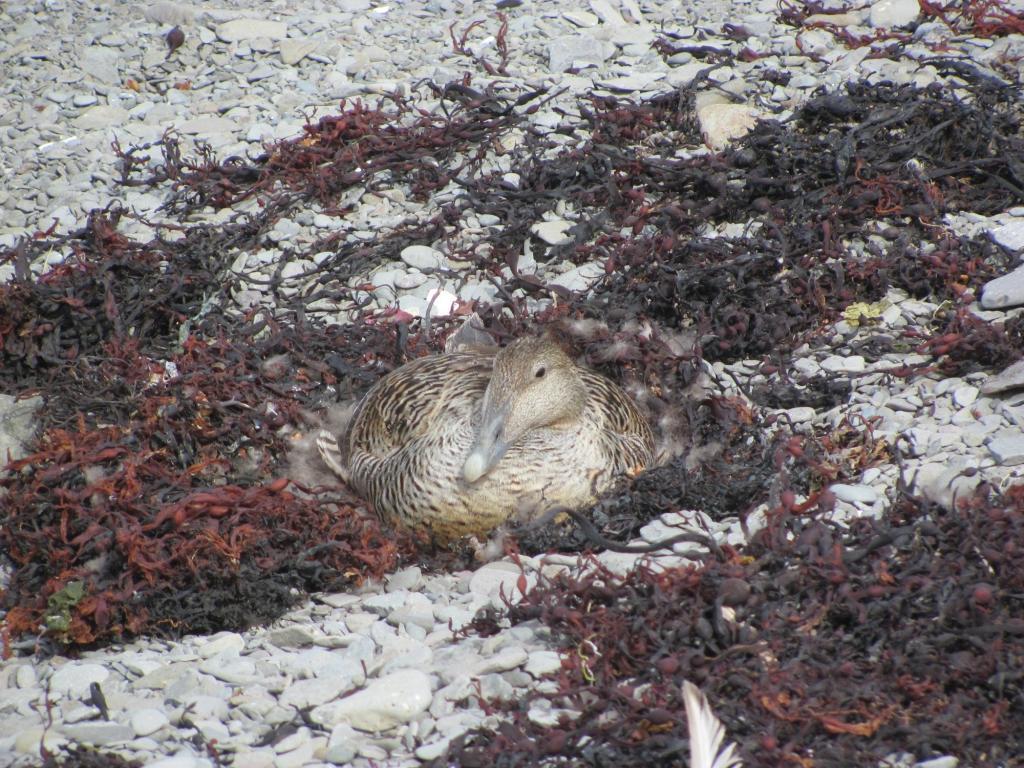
x: 17, y: 426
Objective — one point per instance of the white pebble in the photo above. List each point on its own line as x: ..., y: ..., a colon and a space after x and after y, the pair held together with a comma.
x: 147, y: 721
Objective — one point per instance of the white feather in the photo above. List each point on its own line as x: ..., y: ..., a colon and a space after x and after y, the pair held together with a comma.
x: 706, y: 732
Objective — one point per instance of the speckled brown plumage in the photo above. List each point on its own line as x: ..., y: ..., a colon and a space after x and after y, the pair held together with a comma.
x: 561, y: 434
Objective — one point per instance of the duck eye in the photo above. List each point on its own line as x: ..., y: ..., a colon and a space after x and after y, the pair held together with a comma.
x: 539, y: 373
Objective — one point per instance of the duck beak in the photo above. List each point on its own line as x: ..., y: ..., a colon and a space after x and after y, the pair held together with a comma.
x: 488, y: 447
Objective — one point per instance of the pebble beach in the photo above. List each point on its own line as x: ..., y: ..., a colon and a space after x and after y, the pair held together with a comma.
x: 381, y: 676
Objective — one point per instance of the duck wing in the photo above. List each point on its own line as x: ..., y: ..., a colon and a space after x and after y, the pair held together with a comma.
x: 624, y: 436
x: 418, y: 398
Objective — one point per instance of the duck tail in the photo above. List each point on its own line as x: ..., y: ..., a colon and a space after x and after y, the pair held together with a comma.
x: 330, y: 452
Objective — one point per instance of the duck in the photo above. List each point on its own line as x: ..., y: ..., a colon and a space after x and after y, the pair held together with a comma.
x: 459, y: 443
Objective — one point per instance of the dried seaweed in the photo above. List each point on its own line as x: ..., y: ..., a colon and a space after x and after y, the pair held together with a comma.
x: 816, y: 644
x: 165, y: 407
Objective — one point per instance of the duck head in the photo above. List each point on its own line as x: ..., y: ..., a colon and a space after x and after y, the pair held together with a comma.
x: 534, y: 384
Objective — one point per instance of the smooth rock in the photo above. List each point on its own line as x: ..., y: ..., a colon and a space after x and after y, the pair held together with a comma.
x: 171, y: 14
x: 248, y: 29
x: 313, y: 692
x: 540, y: 663
x: 208, y: 124
x: 965, y: 396
x: 496, y: 579
x: 382, y: 705
x: 1008, y: 450
x: 1009, y: 378
x: 97, y: 733
x: 17, y: 426
x: 422, y: 257
x: 894, y: 13
x: 1005, y: 291
x: 1010, y: 236
x: 101, y: 116
x: 290, y: 637
x: 580, y: 278
x: 578, y: 52
x: 554, y: 232
x: 219, y: 643
x: 408, y: 281
x: 837, y: 364
x: 147, y: 721
x: 721, y: 123
x: 232, y: 670
x: 294, y: 50
x: 74, y: 678
x: 852, y: 494
x: 407, y: 579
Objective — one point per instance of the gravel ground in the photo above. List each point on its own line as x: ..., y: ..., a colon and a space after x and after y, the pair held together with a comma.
x: 77, y: 77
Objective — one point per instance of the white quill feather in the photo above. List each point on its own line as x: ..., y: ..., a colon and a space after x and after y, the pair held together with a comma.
x: 706, y: 732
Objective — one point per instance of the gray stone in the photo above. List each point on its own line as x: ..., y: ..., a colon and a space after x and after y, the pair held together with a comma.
x: 894, y: 13
x: 313, y: 692
x: 580, y: 278
x: 382, y: 705
x: 74, y: 678
x: 1010, y: 236
x: 97, y: 733
x: 17, y: 426
x: 408, y: 281
x: 1005, y: 291
x: 261, y: 72
x: 408, y: 579
x: 965, y: 396
x: 206, y: 125
x: 290, y: 637
x: 578, y: 52
x: 1008, y: 450
x: 101, y: 116
x: 1007, y: 379
x: 148, y: 721
x: 219, y: 643
x: 838, y: 364
x: 100, y: 64
x: 422, y: 257
x: 294, y: 50
x: 250, y: 29
x: 720, y: 123
x: 540, y: 663
x: 232, y: 670
x: 171, y: 14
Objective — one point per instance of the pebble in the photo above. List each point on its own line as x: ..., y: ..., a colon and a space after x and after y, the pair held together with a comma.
x: 1005, y: 291
x: 863, y: 494
x: 555, y: 232
x: 101, y: 116
x: 225, y: 642
x: 837, y: 364
x: 295, y: 50
x: 893, y: 13
x: 74, y: 678
x: 382, y: 705
x: 1010, y: 236
x: 580, y: 278
x: 148, y: 721
x: 1008, y: 450
x: 422, y: 257
x: 720, y: 124
x: 965, y: 396
x: 237, y: 30
x: 17, y: 425
x: 1008, y: 379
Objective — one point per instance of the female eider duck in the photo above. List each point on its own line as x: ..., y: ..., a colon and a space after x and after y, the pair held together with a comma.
x: 459, y: 443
